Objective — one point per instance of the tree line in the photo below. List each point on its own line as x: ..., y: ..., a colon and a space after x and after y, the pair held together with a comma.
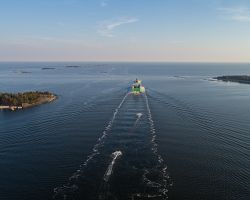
x: 17, y: 99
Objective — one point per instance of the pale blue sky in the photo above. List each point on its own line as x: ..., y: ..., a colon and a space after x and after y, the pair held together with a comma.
x: 125, y: 30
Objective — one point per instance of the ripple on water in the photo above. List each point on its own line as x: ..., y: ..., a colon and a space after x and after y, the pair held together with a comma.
x: 139, y: 173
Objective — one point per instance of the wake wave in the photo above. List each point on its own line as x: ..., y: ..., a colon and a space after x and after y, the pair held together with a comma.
x: 224, y: 129
x: 139, y: 115
x: 109, y: 170
x: 161, y: 182
x: 71, y: 187
x: 105, y: 132
x: 141, y: 174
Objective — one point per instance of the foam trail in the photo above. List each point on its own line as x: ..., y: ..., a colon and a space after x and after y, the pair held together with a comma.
x: 105, y: 132
x: 139, y: 115
x: 163, y: 186
x: 109, y: 170
x: 152, y: 130
x: 70, y: 186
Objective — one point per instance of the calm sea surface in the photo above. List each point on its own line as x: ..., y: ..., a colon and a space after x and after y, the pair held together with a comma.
x: 187, y: 138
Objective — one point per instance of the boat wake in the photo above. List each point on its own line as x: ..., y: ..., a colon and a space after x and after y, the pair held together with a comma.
x: 138, y: 115
x: 71, y: 187
x: 141, y: 172
x: 157, y: 178
x: 109, y: 171
x: 105, y: 192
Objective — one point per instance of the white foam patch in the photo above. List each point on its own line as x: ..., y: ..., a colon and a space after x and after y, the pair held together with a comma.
x: 148, y: 196
x: 139, y: 115
x: 109, y: 170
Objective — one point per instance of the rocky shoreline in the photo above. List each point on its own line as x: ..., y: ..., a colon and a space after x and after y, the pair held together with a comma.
x: 9, y: 101
x: 236, y: 78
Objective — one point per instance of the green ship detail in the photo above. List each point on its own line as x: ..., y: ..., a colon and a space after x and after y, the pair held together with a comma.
x: 137, y: 87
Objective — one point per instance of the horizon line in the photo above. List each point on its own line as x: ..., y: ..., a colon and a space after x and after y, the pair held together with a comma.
x: 127, y: 61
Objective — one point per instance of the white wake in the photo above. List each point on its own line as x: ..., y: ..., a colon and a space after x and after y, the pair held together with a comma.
x: 163, y: 186
x: 70, y: 186
x: 109, y: 170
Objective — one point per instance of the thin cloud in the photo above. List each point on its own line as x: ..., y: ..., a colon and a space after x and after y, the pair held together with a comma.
x: 241, y: 14
x: 106, y: 28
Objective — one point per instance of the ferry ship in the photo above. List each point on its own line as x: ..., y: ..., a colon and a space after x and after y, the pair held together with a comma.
x: 137, y: 87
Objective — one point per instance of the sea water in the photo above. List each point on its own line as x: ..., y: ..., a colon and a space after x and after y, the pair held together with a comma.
x: 188, y: 137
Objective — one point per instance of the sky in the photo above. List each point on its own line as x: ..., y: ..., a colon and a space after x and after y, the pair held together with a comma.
x: 125, y: 30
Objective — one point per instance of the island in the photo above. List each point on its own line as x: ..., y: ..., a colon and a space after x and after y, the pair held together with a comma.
x: 15, y: 101
x: 48, y: 68
x: 22, y: 72
x: 72, y: 66
x: 235, y: 78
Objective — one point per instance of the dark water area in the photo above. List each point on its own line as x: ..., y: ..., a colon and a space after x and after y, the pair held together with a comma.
x: 188, y: 137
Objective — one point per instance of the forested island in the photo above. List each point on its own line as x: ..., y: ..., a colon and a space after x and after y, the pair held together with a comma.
x: 236, y: 78
x: 14, y: 101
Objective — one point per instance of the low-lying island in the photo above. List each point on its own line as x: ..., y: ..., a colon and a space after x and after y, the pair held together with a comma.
x: 15, y: 101
x: 235, y: 78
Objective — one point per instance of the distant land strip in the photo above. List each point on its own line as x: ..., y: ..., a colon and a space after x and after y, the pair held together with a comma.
x: 236, y: 78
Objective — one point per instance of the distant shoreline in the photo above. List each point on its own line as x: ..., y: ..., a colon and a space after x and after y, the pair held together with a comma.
x: 18, y: 101
x: 236, y: 78
x: 129, y: 61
